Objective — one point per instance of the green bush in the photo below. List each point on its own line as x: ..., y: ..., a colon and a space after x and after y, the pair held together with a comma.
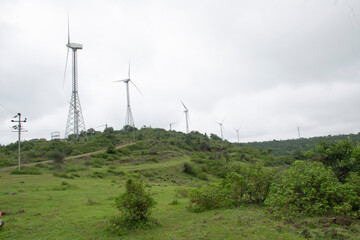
x: 26, y: 172
x: 312, y: 189
x: 135, y: 205
x: 342, y: 157
x: 188, y: 168
x: 62, y: 175
x: 111, y: 149
x: 209, y: 197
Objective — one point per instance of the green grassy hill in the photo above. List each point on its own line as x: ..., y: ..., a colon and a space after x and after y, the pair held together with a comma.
x: 75, y: 199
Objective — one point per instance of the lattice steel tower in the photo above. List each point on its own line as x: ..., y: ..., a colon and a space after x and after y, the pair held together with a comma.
x: 75, y: 122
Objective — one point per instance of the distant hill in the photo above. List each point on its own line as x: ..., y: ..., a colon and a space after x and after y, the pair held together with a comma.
x: 293, y: 146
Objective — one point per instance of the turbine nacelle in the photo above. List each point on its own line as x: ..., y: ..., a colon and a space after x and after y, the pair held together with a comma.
x: 74, y: 46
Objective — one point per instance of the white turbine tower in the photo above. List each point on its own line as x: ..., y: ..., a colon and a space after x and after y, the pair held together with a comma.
x: 75, y: 122
x: 186, y: 117
x: 129, y: 120
x: 298, y: 129
x: 237, y: 133
x: 221, y: 128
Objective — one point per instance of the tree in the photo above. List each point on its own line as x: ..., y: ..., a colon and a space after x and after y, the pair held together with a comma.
x: 342, y: 157
x: 135, y: 204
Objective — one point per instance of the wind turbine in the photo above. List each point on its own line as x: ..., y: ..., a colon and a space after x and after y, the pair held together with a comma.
x: 186, y: 117
x: 129, y: 120
x: 171, y: 126
x: 221, y: 128
x: 298, y: 129
x: 237, y: 133
x: 75, y: 121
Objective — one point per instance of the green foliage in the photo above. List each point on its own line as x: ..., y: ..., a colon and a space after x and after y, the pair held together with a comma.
x: 135, y: 204
x: 342, y: 157
x: 188, y: 168
x: 250, y: 185
x: 58, y: 157
x: 62, y: 175
x: 111, y: 149
x: 209, y: 197
x: 312, y: 189
x: 26, y: 171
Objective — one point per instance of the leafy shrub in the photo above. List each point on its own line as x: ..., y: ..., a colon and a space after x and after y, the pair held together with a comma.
x: 98, y: 175
x: 209, y: 197
x: 58, y: 157
x: 203, y: 176
x: 342, y: 157
x: 111, y: 149
x: 312, y: 189
x: 188, y: 168
x: 135, y: 205
x: 62, y: 175
x: 182, y: 192
x: 26, y: 171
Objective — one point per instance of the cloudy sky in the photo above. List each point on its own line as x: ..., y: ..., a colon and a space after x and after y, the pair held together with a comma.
x: 263, y: 66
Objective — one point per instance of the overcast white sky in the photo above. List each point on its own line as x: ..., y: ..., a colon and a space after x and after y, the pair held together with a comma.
x: 265, y: 66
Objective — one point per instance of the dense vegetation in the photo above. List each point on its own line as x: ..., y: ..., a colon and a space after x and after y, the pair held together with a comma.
x: 187, y: 175
x: 296, y: 146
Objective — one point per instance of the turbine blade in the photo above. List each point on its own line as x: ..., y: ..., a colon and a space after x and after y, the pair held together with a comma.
x: 124, y: 80
x: 183, y: 105
x: 223, y: 121
x: 129, y: 70
x: 66, y: 63
x: 136, y: 87
x: 68, y: 28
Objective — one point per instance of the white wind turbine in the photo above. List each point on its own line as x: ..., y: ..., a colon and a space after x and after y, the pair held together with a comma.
x: 186, y: 117
x: 237, y: 133
x: 75, y: 122
x: 129, y: 120
x: 221, y: 128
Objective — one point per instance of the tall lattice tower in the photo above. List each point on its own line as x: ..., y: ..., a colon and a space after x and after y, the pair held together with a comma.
x: 75, y: 122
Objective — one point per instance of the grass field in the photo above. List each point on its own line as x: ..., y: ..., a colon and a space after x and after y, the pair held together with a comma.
x: 49, y: 207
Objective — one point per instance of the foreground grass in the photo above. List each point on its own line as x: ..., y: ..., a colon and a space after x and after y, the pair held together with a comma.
x: 80, y: 208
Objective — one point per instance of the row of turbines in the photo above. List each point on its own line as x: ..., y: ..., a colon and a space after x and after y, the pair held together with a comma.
x: 75, y: 122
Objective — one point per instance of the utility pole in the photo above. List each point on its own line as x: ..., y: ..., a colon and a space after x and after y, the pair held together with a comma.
x: 19, y: 130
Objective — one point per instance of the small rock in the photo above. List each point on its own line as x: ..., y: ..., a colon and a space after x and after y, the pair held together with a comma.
x: 21, y: 211
x: 306, y: 233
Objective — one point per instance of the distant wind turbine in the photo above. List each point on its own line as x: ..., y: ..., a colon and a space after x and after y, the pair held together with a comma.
x: 221, y: 128
x: 171, y: 126
x: 186, y: 117
x: 298, y: 129
x: 129, y: 120
x: 237, y: 133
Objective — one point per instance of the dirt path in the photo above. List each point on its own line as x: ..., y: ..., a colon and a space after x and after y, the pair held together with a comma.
x: 65, y: 159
